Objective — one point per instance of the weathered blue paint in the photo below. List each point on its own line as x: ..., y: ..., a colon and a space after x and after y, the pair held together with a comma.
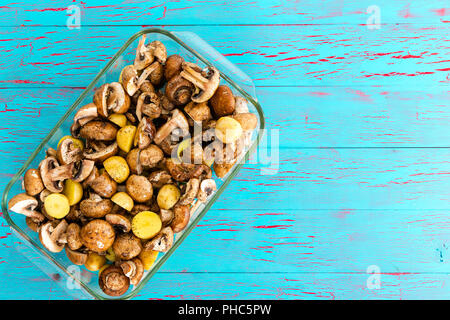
x: 363, y: 173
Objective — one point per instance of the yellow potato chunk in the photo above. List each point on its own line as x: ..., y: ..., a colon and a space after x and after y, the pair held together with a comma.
x: 146, y: 225
x: 110, y: 255
x: 125, y: 138
x: 56, y: 205
x: 119, y: 119
x: 168, y: 195
x: 228, y: 130
x: 123, y: 200
x: 77, y: 142
x: 94, y: 261
x: 117, y: 168
x: 73, y: 191
x: 148, y: 258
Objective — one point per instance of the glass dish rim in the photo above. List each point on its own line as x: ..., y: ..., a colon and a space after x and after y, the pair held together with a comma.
x: 76, y: 104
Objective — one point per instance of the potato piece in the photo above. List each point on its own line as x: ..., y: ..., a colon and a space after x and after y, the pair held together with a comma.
x: 117, y: 168
x: 94, y: 261
x: 56, y: 205
x: 146, y: 225
x: 73, y: 191
x: 125, y: 138
x: 168, y: 195
x: 148, y: 258
x: 110, y: 255
x: 123, y: 200
x: 119, y: 119
x: 228, y: 130
x: 77, y: 142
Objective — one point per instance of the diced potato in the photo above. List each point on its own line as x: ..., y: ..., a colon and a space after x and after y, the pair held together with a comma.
x: 168, y: 196
x: 73, y: 191
x: 122, y: 199
x: 146, y: 225
x: 228, y: 130
x: 77, y: 142
x: 119, y: 119
x: 117, y: 168
x: 148, y: 258
x: 94, y: 261
x: 56, y: 205
x: 125, y: 138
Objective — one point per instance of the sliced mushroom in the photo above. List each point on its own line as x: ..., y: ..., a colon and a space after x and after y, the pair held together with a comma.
x: 74, y: 241
x: 113, y: 282
x: 130, y: 79
x: 153, y: 73
x: 52, y: 237
x: 102, y: 154
x: 98, y: 235
x: 144, y: 134
x: 144, y: 55
x: 221, y: 169
x: 24, y: 204
x: 46, y: 166
x: 119, y: 221
x: 173, y: 66
x: 159, y: 178
x: 149, y: 105
x: 207, y: 187
x: 159, y: 51
x: 177, y: 121
x: 32, y: 224
x: 68, y: 152
x: 84, y: 115
x: 162, y: 242
x: 179, y: 90
x: 111, y: 97
x: 184, y: 171
x: 133, y: 269
x: 205, y: 81
x: 223, y: 101
x: 199, y: 112
x: 82, y: 170
x: 99, y: 130
x: 127, y: 246
x: 166, y: 216
x: 181, y: 216
x: 76, y: 257
x: 32, y: 182
x: 104, y: 185
x: 95, y: 206
x: 190, y: 194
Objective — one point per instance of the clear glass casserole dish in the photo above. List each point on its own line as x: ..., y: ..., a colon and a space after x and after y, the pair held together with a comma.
x: 78, y: 281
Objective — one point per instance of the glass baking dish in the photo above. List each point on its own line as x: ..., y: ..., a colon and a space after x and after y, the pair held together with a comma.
x: 78, y: 281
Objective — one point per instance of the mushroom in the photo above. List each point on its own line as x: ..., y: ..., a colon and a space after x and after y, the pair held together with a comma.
x: 74, y: 214
x: 111, y: 97
x: 82, y: 170
x: 139, y: 207
x: 184, y: 171
x: 139, y: 188
x: 166, y: 216
x: 74, y: 241
x: 102, y: 154
x: 240, y: 105
x: 159, y: 50
x: 113, y: 282
x: 32, y: 224
x: 166, y: 104
x: 53, y: 237
x: 159, y: 178
x: 144, y: 54
x: 76, y: 257
x: 221, y: 169
x: 98, y: 235
x: 248, y: 121
x: 173, y: 66
x: 32, y: 182
x: 207, y: 187
x: 24, y: 204
x: 127, y: 246
x: 133, y: 161
x: 82, y: 116
x: 144, y: 134
x: 223, y: 101
x: 133, y: 269
x: 179, y: 90
x: 46, y: 166
x: 151, y: 156
x: 98, y: 130
x: 199, y: 112
x: 177, y: 121
x: 130, y: 79
x: 162, y: 242
x: 119, y: 221
x: 104, y: 185
x: 181, y: 216
x: 190, y: 194
x: 205, y: 81
x: 95, y: 206
x: 68, y: 152
x: 148, y: 104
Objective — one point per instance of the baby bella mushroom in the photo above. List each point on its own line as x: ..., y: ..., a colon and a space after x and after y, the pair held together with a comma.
x: 98, y: 235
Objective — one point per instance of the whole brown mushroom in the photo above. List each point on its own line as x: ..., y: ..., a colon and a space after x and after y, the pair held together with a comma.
x: 179, y: 90
x: 113, y: 281
x: 223, y: 101
x: 139, y: 188
x: 32, y: 182
x: 127, y: 246
x: 173, y: 66
x: 98, y: 235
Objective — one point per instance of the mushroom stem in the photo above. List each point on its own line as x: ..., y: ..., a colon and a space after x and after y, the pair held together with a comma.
x: 62, y: 172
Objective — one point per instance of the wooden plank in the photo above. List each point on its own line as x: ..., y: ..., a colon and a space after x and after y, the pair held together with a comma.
x: 318, y: 116
x: 406, y: 55
x: 138, y: 12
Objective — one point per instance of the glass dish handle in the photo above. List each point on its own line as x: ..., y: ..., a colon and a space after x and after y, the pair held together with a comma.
x: 218, y: 60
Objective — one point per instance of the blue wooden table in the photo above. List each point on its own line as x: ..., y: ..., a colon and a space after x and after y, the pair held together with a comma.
x: 360, y: 96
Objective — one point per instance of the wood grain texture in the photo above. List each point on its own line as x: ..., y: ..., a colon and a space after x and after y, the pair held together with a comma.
x: 362, y: 176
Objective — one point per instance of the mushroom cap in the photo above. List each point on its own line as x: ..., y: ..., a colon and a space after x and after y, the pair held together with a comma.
x: 45, y: 167
x: 68, y: 152
x: 96, y: 207
x: 133, y: 269
x: 207, y: 187
x: 127, y: 246
x: 113, y: 282
x: 98, y: 235
x: 129, y: 79
x: 98, y: 130
x: 32, y: 182
x: 74, y: 241
x: 145, y: 133
x: 76, y: 257
x: 190, y: 194
x: 181, y: 216
x: 24, y: 204
x: 173, y: 66
x: 240, y: 105
x: 159, y: 178
x: 119, y: 221
x: 139, y: 188
x: 199, y: 112
x: 111, y: 97
x: 144, y: 55
x: 162, y: 242
x: 151, y: 156
x: 159, y: 51
x: 248, y: 121
x: 148, y: 104
x: 166, y: 216
x: 51, y: 237
x: 223, y: 101
x: 104, y: 185
x: 102, y: 154
x: 179, y: 90
x: 85, y: 114
x: 83, y: 169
